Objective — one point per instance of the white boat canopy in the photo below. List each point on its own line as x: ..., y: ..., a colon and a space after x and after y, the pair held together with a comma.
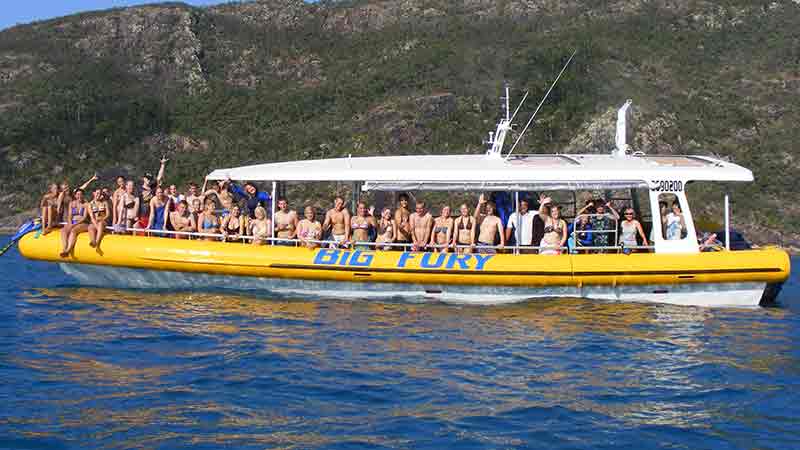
x: 491, y: 172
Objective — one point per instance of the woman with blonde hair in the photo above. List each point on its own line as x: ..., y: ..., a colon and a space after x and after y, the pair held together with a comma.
x: 260, y: 227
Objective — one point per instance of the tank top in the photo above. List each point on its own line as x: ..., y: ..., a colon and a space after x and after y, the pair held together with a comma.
x: 628, y: 235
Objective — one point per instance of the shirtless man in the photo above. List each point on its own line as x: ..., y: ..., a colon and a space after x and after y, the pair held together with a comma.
x: 421, y: 223
x: 285, y: 223
x: 401, y: 219
x: 490, y: 227
x: 191, y: 196
x: 337, y: 219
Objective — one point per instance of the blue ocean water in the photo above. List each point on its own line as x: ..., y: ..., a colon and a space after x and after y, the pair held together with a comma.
x: 103, y: 368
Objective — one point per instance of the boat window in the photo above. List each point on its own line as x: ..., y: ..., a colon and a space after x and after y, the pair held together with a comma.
x: 673, y: 224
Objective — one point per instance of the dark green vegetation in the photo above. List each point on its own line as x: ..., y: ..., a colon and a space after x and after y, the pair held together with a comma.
x: 281, y: 79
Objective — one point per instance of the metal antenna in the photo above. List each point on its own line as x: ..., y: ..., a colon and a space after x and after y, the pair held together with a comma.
x: 540, y: 104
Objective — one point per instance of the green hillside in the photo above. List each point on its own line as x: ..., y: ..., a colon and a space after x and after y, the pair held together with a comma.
x: 277, y: 80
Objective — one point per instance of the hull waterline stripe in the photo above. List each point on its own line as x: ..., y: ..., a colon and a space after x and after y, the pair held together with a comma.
x: 526, y: 273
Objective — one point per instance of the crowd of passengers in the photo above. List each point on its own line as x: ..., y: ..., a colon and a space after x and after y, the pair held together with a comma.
x: 229, y: 211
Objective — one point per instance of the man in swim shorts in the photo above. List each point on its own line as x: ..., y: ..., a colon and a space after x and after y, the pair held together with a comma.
x: 421, y: 222
x: 337, y: 220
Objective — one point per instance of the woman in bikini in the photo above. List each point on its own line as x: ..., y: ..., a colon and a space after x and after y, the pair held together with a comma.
x: 233, y: 225
x: 99, y: 212
x: 555, y: 232
x: 442, y: 231
x: 208, y: 222
x: 361, y: 225
x: 49, y: 207
x: 464, y: 235
x: 181, y: 220
x: 309, y: 229
x: 159, y: 207
x: 77, y: 223
x: 260, y: 227
x: 128, y: 207
x: 387, y: 229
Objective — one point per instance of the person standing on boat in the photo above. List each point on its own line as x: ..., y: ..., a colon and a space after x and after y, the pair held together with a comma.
x: 464, y: 231
x: 77, y: 223
x: 421, y: 222
x: 193, y: 199
x: 128, y: 207
x: 675, y: 224
x: 555, y: 230
x: 285, y: 223
x: 337, y: 221
x: 402, y: 218
x: 99, y: 211
x: 208, y: 222
x: 159, y: 208
x: 490, y: 227
x: 630, y: 228
x: 604, y: 225
x: 309, y: 230
x: 260, y: 227
x: 442, y: 231
x: 147, y: 192
x: 387, y: 229
x: 252, y: 196
x: 115, y: 196
x: 361, y: 224
x: 233, y: 225
x: 223, y: 195
x: 520, y: 225
x: 182, y: 220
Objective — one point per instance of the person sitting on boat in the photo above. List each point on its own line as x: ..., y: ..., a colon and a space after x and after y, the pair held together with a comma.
x: 309, y: 230
x: 208, y: 222
x: 604, y: 225
x: 555, y: 230
x: 221, y: 192
x: 128, y: 207
x: 361, y: 224
x: 386, y: 229
x: 675, y: 224
x: 49, y: 208
x: 630, y: 228
x: 66, y: 196
x: 580, y: 234
x: 421, y: 222
x: 402, y: 218
x: 77, y: 223
x: 181, y: 220
x: 490, y: 227
x: 464, y: 231
x: 260, y: 227
x: 253, y: 198
x: 337, y: 221
x: 234, y: 225
x: 520, y: 226
x: 442, y: 231
x: 193, y: 199
x: 146, y: 193
x: 285, y: 224
x: 99, y: 212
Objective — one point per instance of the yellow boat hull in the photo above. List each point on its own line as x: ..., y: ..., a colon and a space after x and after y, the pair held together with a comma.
x: 644, y: 272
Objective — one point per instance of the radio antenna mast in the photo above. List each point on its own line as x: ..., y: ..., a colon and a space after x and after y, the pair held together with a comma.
x: 540, y: 104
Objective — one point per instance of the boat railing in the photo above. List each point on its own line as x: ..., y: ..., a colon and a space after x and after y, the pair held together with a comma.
x: 517, y: 249
x: 618, y: 247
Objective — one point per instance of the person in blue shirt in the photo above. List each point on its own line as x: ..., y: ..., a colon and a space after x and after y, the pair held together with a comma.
x: 253, y: 197
x: 583, y: 234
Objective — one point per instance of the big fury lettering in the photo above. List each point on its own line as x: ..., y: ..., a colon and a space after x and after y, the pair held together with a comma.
x: 406, y: 260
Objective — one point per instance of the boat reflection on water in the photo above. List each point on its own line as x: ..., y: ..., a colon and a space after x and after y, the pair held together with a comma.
x: 259, y: 371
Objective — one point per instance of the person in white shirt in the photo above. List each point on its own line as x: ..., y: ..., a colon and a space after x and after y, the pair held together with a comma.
x: 524, y: 222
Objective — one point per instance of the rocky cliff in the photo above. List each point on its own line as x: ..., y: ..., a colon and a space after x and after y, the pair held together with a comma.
x: 283, y: 79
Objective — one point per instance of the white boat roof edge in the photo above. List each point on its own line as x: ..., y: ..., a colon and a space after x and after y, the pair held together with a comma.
x: 475, y: 171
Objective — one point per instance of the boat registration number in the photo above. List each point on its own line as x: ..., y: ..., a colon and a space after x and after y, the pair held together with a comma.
x: 666, y: 186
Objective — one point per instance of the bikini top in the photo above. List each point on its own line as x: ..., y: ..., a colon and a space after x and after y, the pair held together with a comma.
x: 363, y: 226
x: 98, y: 207
x: 467, y: 226
x: 384, y: 227
x: 553, y: 228
x: 440, y: 229
x: 207, y: 225
x: 233, y: 228
x: 77, y: 212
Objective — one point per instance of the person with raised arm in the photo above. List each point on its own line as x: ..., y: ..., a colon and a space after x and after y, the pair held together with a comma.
x: 252, y: 196
x: 555, y: 229
x: 147, y: 191
x: 182, y: 220
x: 489, y: 227
x: 604, y: 225
x: 337, y: 221
x: 421, y: 222
x: 99, y: 211
x: 220, y: 190
x: 464, y: 234
x: 442, y: 231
